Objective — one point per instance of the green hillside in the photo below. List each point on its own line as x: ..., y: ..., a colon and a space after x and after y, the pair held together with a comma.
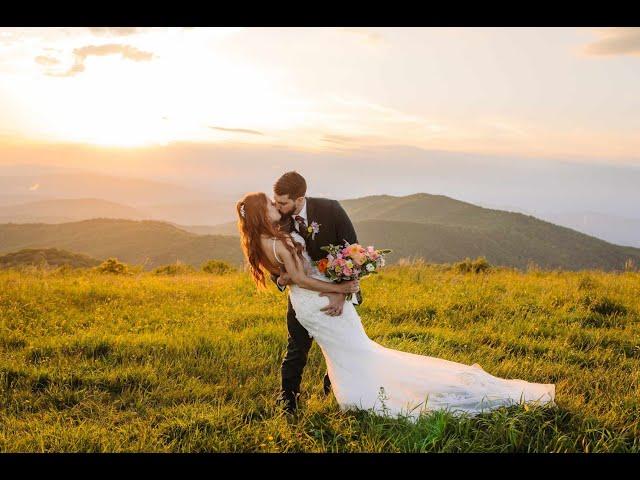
x: 442, y: 230
x: 145, y: 242
x: 449, y: 243
x: 52, y: 257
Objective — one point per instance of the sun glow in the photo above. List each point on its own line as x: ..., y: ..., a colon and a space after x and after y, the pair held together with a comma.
x: 117, y: 102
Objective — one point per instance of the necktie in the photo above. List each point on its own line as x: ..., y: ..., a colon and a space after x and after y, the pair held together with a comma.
x: 302, y: 226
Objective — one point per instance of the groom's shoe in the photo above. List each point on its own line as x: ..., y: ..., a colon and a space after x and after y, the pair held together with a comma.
x: 326, y: 384
x: 289, y: 402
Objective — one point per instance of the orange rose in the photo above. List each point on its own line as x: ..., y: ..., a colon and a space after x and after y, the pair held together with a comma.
x: 322, y: 265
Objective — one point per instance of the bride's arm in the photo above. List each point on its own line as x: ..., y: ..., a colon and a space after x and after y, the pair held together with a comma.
x: 299, y: 277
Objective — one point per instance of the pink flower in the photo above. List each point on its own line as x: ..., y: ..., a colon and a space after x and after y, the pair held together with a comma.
x: 352, y: 249
x: 358, y: 258
x: 347, y: 271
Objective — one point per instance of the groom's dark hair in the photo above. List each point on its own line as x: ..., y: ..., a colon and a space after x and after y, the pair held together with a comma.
x: 292, y: 184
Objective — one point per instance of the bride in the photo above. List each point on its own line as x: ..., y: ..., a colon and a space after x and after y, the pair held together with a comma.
x: 364, y: 374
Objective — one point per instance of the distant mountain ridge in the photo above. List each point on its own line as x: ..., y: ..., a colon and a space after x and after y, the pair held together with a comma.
x: 434, y: 227
x: 86, y: 185
x: 23, y: 209
x: 67, y: 210
x: 32, y: 193
x: 614, y: 229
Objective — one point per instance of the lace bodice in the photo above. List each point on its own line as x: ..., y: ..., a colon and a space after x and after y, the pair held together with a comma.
x: 309, y: 264
x: 298, y: 239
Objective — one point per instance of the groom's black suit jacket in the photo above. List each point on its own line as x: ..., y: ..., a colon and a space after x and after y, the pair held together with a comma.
x: 334, y: 225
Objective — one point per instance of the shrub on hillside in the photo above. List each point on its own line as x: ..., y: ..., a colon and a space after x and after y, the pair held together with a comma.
x: 587, y: 282
x: 177, y: 268
x: 479, y: 265
x: 603, y: 305
x: 113, y: 266
x: 217, y: 267
x: 464, y: 266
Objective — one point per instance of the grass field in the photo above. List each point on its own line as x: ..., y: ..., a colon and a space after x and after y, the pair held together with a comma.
x: 190, y: 363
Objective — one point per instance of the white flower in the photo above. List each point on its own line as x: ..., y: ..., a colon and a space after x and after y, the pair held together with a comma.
x: 370, y: 267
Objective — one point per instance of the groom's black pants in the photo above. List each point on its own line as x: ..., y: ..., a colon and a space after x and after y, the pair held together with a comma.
x: 298, y: 346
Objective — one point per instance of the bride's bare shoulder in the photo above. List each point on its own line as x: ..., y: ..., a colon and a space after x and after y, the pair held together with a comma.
x: 267, y: 241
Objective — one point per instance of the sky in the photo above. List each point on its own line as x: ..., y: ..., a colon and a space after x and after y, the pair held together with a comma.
x: 223, y: 103
x: 528, y: 91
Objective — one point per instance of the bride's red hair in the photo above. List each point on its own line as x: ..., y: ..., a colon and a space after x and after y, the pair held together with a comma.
x: 253, y: 222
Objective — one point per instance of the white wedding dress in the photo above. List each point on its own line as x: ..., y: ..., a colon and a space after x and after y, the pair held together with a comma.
x: 366, y: 375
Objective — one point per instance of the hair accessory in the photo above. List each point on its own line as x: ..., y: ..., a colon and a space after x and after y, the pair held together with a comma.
x: 242, y: 210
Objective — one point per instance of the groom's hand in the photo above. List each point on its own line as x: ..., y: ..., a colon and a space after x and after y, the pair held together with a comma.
x: 336, y: 303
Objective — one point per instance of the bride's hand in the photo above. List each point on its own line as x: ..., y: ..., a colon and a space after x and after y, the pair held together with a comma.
x: 352, y: 286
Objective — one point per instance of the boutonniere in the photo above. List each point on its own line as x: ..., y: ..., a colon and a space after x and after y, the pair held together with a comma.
x: 313, y: 229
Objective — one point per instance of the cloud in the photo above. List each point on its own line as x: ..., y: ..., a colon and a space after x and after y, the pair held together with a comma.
x: 74, y: 70
x: 364, y: 34
x: 81, y: 54
x: 127, y: 51
x: 616, y: 41
x: 340, y: 139
x: 238, y: 130
x: 114, y: 31
x: 46, y: 61
x: 128, y: 31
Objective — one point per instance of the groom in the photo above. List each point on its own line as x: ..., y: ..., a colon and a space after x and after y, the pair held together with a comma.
x: 320, y: 222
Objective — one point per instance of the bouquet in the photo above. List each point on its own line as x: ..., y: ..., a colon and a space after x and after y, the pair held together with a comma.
x: 350, y: 262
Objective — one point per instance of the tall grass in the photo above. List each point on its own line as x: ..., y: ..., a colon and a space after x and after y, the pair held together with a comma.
x: 92, y: 362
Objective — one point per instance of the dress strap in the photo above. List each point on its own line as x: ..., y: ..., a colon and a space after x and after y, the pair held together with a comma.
x: 274, y: 251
